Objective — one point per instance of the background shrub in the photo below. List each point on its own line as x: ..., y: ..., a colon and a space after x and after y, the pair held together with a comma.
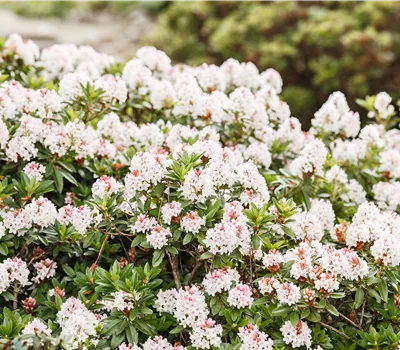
x: 318, y: 47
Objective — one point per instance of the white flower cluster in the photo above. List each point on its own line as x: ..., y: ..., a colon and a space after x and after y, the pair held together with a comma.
x: 36, y: 327
x: 296, y: 336
x: 45, y: 269
x: 77, y: 323
x: 190, y: 309
x: 231, y: 233
x: 156, y: 343
x: 13, y: 271
x: 80, y: 217
x: 336, y: 117
x: 218, y: 281
x: 124, y: 301
x: 41, y: 212
x: 253, y: 339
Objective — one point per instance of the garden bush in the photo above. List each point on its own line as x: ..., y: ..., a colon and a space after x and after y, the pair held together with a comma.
x: 65, y: 9
x: 319, y: 46
x: 155, y: 206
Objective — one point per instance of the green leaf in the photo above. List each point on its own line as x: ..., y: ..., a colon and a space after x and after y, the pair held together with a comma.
x: 132, y: 335
x: 176, y: 330
x: 137, y: 240
x: 383, y: 290
x: 58, y: 180
x: 359, y: 298
x: 3, y: 77
x: 67, y: 166
x: 44, y: 187
x: 3, y: 249
x: 187, y: 239
x: 331, y: 309
x: 314, y: 316
x: 214, y: 209
x: 144, y: 327
x: 206, y: 255
x: 392, y: 276
x: 173, y: 250
x: 158, y: 257
x: 337, y: 295
x: 261, y: 301
x: 215, y: 309
x: 117, y: 339
x: 68, y: 176
x: 69, y: 271
x: 374, y: 294
x: 305, y: 313
x: 294, y: 318
x: 281, y: 310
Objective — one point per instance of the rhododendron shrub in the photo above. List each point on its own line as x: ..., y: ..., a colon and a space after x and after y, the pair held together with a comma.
x: 154, y: 206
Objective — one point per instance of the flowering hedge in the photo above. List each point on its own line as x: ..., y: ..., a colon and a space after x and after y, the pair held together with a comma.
x: 151, y: 206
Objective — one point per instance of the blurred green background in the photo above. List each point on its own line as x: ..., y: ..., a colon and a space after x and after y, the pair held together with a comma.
x: 63, y: 8
x: 318, y: 47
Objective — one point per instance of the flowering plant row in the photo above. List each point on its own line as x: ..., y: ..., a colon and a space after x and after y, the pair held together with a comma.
x: 153, y: 206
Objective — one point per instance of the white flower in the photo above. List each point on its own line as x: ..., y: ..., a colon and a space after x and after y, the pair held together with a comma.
x: 41, y: 212
x: 217, y: 281
x: 114, y: 88
x: 287, y: 293
x: 137, y: 76
x: 21, y: 148
x: 253, y: 339
x: 191, y: 307
x: 105, y: 186
x: 198, y: 186
x: 259, y: 153
x: 166, y: 301
x: 80, y: 217
x: 266, y: 285
x: 306, y: 224
x: 26, y: 50
x: 323, y: 211
x: 387, y: 195
x: 296, y: 336
x: 250, y: 178
x: 390, y: 163
x: 311, y: 159
x: 273, y: 79
x: 192, y: 222
x: 45, y: 269
x: 158, y: 237
x: 77, y: 322
x: 124, y: 301
x: 206, y: 335
x: 17, y: 271
x: 382, y: 105
x: 143, y: 223
x: 34, y: 170
x: 157, y: 343
x: 221, y: 239
x: 36, y: 327
x: 326, y: 283
x: 17, y: 221
x: 240, y: 296
x: 386, y: 250
x: 154, y: 59
x: 170, y: 210
x: 3, y: 133
x: 71, y: 85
